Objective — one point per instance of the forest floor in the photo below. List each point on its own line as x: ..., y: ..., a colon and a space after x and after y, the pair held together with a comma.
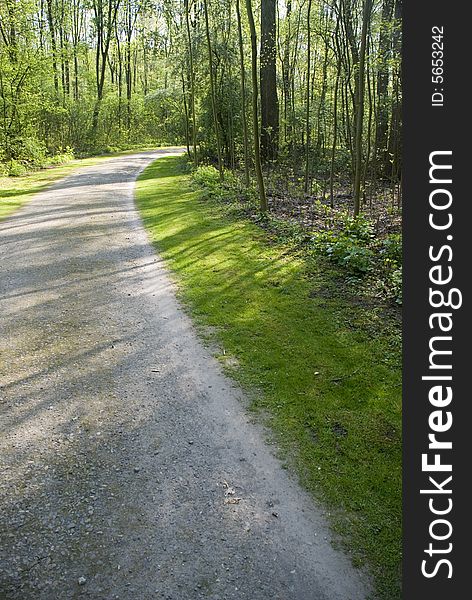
x: 288, y: 201
x: 130, y: 466
x: 321, y: 363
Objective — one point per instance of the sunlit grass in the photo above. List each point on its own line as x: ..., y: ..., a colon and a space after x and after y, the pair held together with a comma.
x: 325, y: 369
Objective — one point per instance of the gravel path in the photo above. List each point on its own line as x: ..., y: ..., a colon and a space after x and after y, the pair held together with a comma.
x: 129, y: 467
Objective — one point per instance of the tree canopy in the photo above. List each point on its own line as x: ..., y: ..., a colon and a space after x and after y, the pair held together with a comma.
x: 322, y: 98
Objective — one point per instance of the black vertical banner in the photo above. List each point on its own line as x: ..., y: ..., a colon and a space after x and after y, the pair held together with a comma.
x: 437, y: 327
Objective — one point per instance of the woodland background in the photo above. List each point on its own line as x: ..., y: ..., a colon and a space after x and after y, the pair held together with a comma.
x: 92, y: 76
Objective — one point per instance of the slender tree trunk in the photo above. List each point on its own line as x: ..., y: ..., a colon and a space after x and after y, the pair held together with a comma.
x: 104, y: 32
x: 76, y: 29
x: 381, y: 129
x: 187, y: 126
x: 243, y: 94
x: 212, y: 90
x: 268, y: 83
x: 360, y: 106
x: 320, y: 121
x: 369, y: 132
x: 52, y: 31
x: 335, y: 120
x: 255, y: 115
x: 308, y: 96
x: 119, y: 78
x: 192, y: 85
x: 286, y: 77
x: 393, y: 165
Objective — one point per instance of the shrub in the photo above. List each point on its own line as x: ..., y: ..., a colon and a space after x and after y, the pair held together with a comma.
x: 357, y: 259
x: 345, y: 251
x: 16, y: 168
x: 350, y: 247
x: 206, y: 176
x: 28, y: 151
x: 358, y: 228
x: 62, y: 157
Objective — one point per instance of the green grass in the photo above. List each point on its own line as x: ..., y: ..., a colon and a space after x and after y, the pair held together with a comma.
x: 325, y: 368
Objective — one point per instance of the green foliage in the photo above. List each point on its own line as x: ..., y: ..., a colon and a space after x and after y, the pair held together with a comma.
x: 357, y: 228
x: 207, y: 178
x: 16, y: 168
x: 391, y: 249
x: 390, y: 252
x: 27, y: 154
x: 26, y: 150
x: 62, y: 157
x: 349, y: 243
x: 345, y: 250
x: 348, y: 247
x: 396, y: 285
x: 355, y: 258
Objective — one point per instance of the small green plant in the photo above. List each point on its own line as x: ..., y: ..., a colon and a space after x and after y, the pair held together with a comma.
x: 357, y: 228
x: 62, y: 157
x: 357, y: 259
x: 350, y: 247
x: 391, y: 248
x: 396, y: 285
x: 345, y: 252
x: 27, y: 151
x: 206, y: 176
x: 16, y: 168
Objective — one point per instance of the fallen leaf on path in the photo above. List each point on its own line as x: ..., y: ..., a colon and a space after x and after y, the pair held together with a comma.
x: 229, y: 491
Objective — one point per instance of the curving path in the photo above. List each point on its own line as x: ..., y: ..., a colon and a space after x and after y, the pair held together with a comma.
x: 129, y: 467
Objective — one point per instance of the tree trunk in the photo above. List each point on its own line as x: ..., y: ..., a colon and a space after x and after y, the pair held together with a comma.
x: 308, y: 97
x: 381, y: 128
x: 255, y: 115
x: 192, y: 85
x: 243, y: 93
x: 268, y: 83
x: 53, y: 45
x: 286, y: 78
x: 212, y: 90
x: 360, y: 106
x: 393, y: 166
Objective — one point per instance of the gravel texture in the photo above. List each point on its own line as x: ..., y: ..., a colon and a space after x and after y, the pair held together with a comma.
x: 129, y: 466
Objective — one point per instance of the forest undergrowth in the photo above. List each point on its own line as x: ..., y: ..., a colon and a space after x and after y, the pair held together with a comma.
x: 367, y: 248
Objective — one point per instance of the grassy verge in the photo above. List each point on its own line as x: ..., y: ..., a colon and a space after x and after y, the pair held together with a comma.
x: 324, y: 367
x: 16, y: 191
